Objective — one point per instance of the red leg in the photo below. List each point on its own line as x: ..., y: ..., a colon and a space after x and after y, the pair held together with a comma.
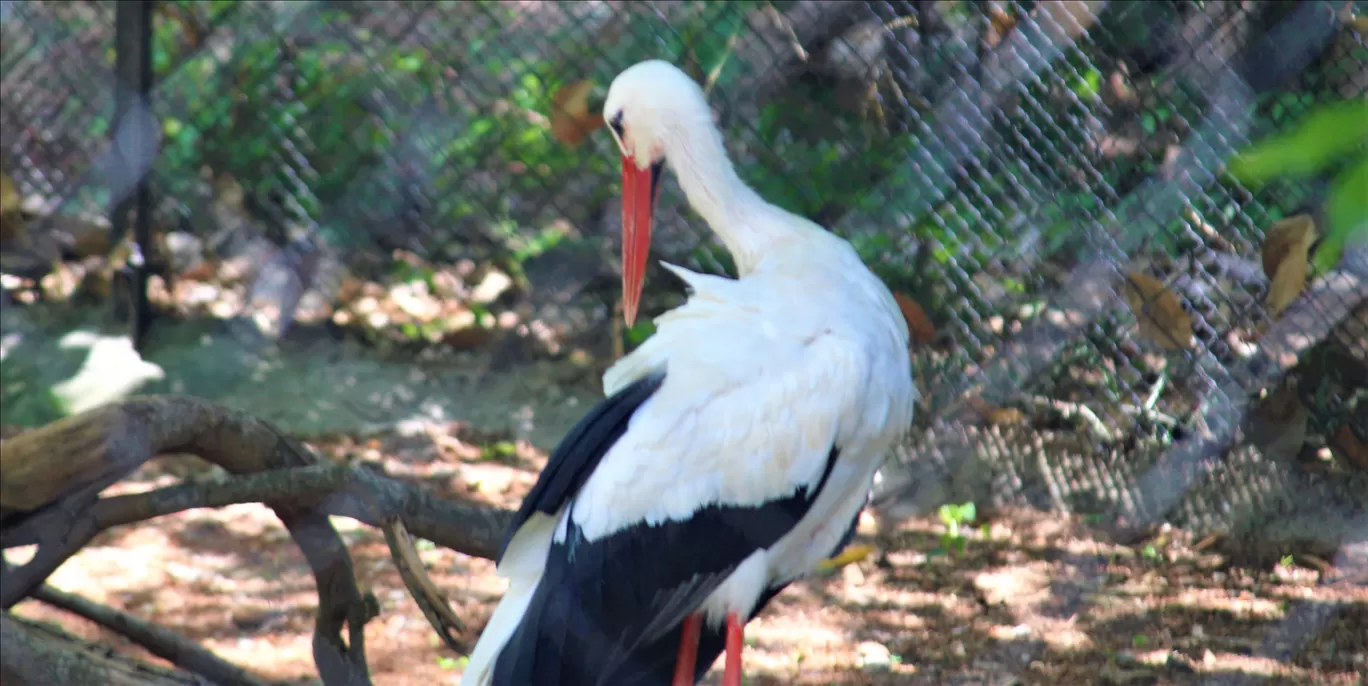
x: 688, y: 651
x: 731, y: 672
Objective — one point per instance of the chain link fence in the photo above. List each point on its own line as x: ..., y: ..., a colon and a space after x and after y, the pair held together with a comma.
x: 1047, y: 187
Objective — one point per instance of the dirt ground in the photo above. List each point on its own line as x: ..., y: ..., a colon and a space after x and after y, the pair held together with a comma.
x: 1031, y: 599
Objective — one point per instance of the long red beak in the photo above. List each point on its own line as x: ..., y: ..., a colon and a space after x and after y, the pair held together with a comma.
x: 639, y: 190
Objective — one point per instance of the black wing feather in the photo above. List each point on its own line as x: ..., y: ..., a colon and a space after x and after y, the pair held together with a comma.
x: 607, y: 612
x: 575, y: 458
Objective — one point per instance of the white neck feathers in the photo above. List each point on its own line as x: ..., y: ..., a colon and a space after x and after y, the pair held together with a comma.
x: 744, y: 221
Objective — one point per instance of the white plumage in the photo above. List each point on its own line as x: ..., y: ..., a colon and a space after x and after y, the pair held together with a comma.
x: 765, y: 378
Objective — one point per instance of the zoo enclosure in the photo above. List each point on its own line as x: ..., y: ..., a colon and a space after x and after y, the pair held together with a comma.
x: 1046, y: 185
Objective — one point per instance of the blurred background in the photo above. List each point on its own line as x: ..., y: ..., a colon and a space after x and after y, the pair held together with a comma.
x: 1125, y: 235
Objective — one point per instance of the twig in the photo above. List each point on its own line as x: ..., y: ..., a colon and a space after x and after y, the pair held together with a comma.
x: 163, y: 643
x: 1069, y: 410
x: 1150, y: 414
x: 1153, y: 398
x: 783, y: 23
x: 425, y: 593
x: 716, y: 71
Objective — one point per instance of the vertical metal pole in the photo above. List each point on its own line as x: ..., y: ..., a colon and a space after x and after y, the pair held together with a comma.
x: 133, y: 75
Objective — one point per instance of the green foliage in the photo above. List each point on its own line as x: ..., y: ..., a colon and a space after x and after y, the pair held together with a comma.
x: 1308, y: 148
x: 499, y: 451
x: 449, y: 663
x: 833, y: 164
x: 1346, y: 210
x: 317, y: 127
x: 953, y: 517
x: 285, y: 121
x: 1332, y: 134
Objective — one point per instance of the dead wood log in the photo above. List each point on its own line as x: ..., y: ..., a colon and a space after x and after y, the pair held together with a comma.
x: 55, y: 473
x: 159, y: 641
x: 34, y: 654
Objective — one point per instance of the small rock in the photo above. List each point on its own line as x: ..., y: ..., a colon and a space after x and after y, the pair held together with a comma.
x: 491, y: 287
x: 1146, y: 658
x: 448, y: 286
x: 193, y: 294
x: 874, y: 656
x: 183, y: 250
x: 415, y: 301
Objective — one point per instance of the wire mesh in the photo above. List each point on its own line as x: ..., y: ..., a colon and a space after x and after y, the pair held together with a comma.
x: 1045, y: 185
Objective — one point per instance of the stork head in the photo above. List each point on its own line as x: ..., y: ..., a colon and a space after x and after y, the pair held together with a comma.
x: 648, y: 110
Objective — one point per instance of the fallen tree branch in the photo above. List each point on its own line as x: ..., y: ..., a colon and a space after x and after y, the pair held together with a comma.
x: 105, y: 444
x: 346, y: 490
x: 348, y: 486
x: 34, y: 654
x: 161, y: 642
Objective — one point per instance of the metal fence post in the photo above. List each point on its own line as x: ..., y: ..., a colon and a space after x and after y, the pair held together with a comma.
x: 133, y: 74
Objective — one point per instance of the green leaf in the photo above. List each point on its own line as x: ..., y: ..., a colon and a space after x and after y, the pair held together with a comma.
x: 1306, y: 149
x: 1346, y: 213
x: 1148, y: 122
x: 1087, y: 85
x: 409, y: 63
x: 640, y: 332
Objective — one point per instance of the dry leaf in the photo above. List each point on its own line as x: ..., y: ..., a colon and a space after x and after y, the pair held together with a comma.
x: 11, y: 220
x: 987, y: 413
x: 1002, y: 22
x: 1353, y: 448
x: 1158, y: 311
x: 1286, y: 249
x: 1006, y: 416
x: 84, y: 236
x: 571, y: 120
x: 920, y: 326
x: 10, y: 201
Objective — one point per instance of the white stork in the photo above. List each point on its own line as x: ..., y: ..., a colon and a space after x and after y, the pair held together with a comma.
x: 734, y: 450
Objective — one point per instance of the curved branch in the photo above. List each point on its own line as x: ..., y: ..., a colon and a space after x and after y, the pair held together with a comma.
x: 106, y: 444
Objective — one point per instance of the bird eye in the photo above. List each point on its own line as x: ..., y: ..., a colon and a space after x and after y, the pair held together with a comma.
x: 616, y: 124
